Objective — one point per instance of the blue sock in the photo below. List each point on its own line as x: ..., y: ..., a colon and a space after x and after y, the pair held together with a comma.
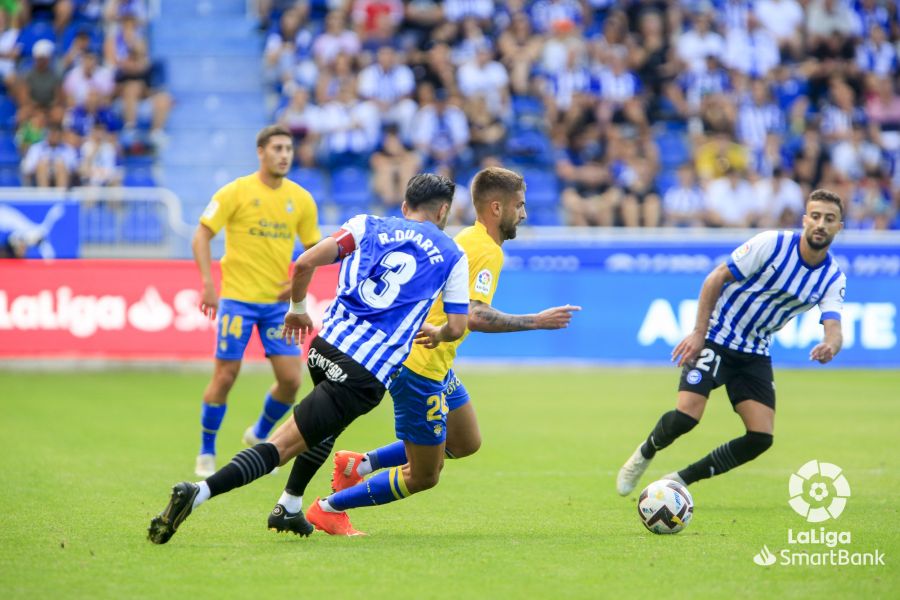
x: 210, y: 420
x: 381, y: 488
x: 392, y: 455
x: 272, y: 412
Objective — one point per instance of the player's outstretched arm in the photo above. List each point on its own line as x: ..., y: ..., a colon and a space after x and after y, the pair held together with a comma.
x: 487, y: 319
x: 209, y: 298
x: 297, y: 323
x: 831, y: 345
x: 690, y: 346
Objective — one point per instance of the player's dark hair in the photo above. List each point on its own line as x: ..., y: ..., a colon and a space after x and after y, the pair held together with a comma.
x: 827, y: 196
x: 495, y: 183
x: 427, y: 190
x: 267, y: 133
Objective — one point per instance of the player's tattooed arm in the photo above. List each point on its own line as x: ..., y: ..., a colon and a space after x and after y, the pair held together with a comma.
x: 487, y: 319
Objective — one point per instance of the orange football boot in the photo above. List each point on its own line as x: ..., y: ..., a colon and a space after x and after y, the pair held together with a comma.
x: 329, y: 522
x: 345, y: 465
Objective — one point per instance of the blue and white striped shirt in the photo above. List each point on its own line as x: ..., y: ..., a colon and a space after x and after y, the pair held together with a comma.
x: 773, y: 285
x: 386, y: 287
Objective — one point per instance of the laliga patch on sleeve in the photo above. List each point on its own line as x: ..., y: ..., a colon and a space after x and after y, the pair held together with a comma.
x: 483, y: 282
x: 210, y: 211
x: 741, y: 252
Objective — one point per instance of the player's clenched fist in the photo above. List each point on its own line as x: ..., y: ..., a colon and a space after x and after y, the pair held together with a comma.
x: 296, y: 328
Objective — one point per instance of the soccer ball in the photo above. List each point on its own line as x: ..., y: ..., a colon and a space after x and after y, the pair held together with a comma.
x: 665, y: 506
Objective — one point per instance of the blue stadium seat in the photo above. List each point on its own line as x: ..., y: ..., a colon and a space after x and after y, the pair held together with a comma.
x: 673, y: 149
x: 9, y: 154
x: 99, y: 225
x: 667, y: 178
x: 350, y: 187
x: 139, y: 177
x: 9, y: 177
x: 31, y: 33
x: 543, y: 216
x: 7, y: 113
x: 542, y: 188
x: 529, y: 145
x: 313, y: 180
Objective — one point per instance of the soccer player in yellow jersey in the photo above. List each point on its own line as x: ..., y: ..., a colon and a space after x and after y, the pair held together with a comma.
x: 432, y: 412
x: 262, y: 214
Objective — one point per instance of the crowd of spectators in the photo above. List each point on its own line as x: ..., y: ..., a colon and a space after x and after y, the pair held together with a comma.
x: 79, y: 90
x: 648, y: 112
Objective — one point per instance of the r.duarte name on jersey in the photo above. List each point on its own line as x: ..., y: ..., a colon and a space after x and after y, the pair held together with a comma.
x: 401, y: 235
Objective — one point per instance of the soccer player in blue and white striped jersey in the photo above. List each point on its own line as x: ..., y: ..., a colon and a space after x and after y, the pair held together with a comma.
x: 393, y: 269
x: 766, y: 282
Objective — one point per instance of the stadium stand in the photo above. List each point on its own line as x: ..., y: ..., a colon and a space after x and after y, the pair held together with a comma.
x: 600, y: 104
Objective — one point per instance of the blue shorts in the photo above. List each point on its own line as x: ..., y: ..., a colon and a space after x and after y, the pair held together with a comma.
x: 235, y: 325
x: 457, y: 395
x: 420, y: 407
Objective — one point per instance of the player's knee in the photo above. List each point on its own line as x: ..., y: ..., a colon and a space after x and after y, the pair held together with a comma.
x: 419, y: 482
x: 289, y: 387
x: 223, y: 379
x: 464, y: 448
x: 758, y: 442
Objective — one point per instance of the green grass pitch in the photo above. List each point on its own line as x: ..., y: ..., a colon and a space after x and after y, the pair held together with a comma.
x: 89, y: 458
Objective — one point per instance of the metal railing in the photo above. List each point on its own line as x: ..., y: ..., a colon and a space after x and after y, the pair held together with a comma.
x: 119, y: 222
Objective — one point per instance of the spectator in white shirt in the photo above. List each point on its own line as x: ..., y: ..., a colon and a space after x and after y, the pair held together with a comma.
x: 784, y: 20
x: 488, y: 79
x: 88, y: 77
x: 99, y: 158
x: 10, y: 48
x: 336, y: 39
x: 699, y: 42
x: 876, y: 54
x: 390, y: 86
x: 752, y: 51
x: 440, y: 129
x: 50, y: 162
x: 854, y: 157
x: 683, y: 204
x: 349, y: 128
x: 457, y: 10
x: 780, y: 200
x: 829, y: 26
x: 731, y: 201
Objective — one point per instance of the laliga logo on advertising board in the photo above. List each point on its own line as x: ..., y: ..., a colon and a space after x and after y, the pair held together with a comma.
x: 83, y: 315
x: 818, y: 492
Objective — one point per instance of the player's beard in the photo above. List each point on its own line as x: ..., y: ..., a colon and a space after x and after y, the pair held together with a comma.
x: 508, y: 228
x: 826, y: 240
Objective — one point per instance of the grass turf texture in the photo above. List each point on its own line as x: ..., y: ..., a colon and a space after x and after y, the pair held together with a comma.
x: 89, y: 459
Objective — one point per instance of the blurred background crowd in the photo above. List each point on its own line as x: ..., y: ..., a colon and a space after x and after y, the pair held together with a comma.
x: 636, y: 113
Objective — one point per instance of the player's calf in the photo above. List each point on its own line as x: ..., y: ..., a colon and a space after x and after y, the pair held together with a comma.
x: 728, y: 456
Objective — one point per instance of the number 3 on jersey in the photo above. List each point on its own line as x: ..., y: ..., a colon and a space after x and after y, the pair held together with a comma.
x: 381, y: 291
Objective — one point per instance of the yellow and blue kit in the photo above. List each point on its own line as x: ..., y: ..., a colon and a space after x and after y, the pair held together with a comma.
x: 425, y: 389
x: 260, y: 228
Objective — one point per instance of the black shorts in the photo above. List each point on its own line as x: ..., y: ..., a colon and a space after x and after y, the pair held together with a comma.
x: 344, y: 390
x: 745, y: 376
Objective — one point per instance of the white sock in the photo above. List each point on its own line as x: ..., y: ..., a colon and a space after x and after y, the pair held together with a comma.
x: 326, y: 506
x: 202, y: 495
x: 365, y: 466
x: 291, y: 503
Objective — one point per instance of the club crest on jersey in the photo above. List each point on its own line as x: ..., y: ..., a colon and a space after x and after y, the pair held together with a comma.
x: 694, y: 377
x: 257, y: 202
x: 483, y: 282
x: 741, y: 252
x: 814, y: 298
x: 289, y: 206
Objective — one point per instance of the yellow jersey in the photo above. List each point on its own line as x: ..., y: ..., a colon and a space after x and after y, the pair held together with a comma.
x: 260, y: 224
x: 485, y: 261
